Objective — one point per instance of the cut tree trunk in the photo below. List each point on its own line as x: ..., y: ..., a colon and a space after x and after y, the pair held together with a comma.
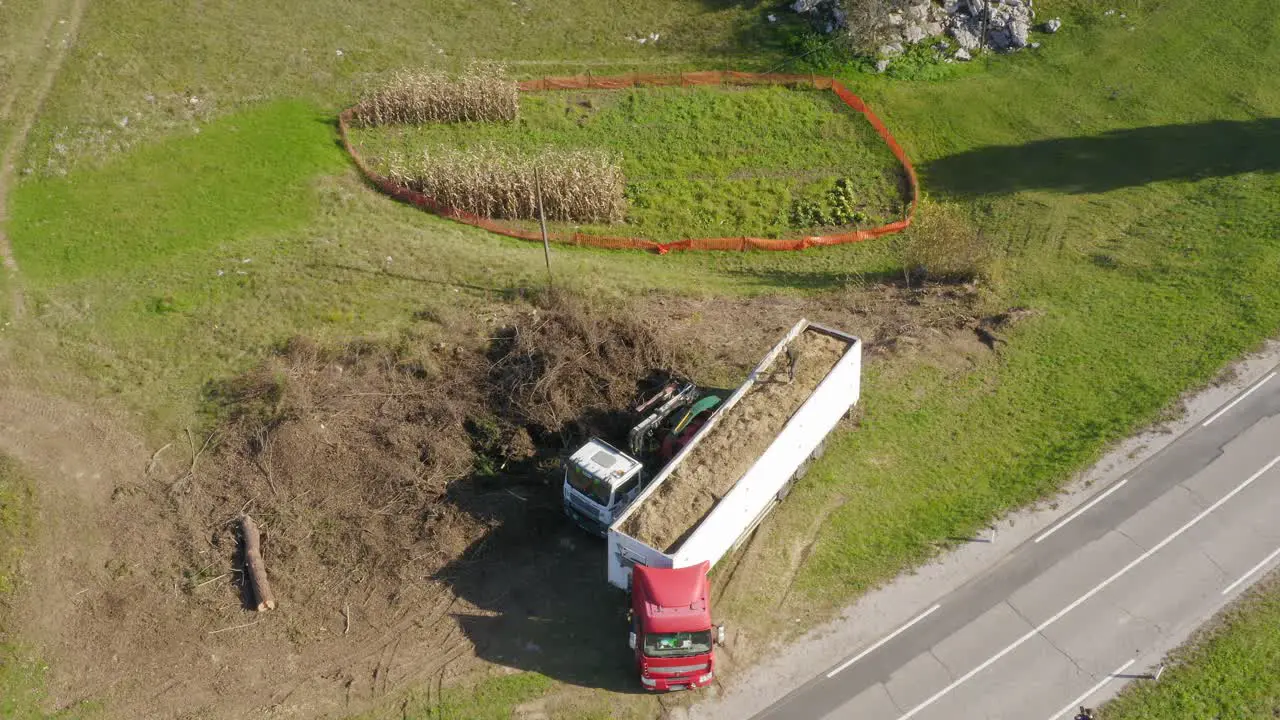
x: 259, y: 588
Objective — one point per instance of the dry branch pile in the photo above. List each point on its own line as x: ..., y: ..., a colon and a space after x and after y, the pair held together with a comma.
x: 347, y: 456
x: 481, y: 93
x: 577, y: 185
x: 566, y: 363
x: 371, y: 468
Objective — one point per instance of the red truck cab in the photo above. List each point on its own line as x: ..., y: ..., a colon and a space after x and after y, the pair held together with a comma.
x: 671, y: 630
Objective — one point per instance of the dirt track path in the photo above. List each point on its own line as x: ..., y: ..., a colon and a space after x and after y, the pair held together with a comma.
x: 58, y: 37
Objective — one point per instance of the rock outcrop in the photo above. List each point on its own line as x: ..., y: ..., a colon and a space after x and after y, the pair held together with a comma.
x: 975, y: 25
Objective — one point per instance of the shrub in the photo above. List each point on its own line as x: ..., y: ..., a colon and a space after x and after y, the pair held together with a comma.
x: 866, y: 24
x: 840, y: 206
x: 577, y: 185
x: 942, y: 246
x: 482, y: 93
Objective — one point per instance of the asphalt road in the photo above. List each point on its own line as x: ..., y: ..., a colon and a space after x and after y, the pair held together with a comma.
x: 1095, y: 598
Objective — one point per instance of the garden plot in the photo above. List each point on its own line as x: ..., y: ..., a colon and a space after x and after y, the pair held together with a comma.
x: 697, y: 162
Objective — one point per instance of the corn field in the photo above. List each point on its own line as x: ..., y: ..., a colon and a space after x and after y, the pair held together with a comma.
x: 482, y: 93
x: 583, y: 186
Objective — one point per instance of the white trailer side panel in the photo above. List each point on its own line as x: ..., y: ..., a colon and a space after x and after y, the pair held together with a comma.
x: 756, y: 492
x: 625, y: 552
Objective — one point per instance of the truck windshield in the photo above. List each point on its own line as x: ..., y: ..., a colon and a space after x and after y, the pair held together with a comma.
x: 677, y: 644
x: 589, y: 486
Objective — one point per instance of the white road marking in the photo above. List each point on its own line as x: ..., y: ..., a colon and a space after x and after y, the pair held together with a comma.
x: 1235, y: 402
x: 1096, y: 589
x: 872, y: 649
x: 1080, y: 700
x: 1081, y: 511
x: 1252, y: 570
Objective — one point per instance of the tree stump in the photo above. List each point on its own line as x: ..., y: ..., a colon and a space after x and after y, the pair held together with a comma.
x: 256, y: 571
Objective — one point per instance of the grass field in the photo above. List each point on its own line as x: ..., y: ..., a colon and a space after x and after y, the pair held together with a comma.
x: 706, y: 162
x: 1148, y: 265
x: 146, y: 60
x: 21, y: 675
x: 490, y: 701
x: 1229, y: 671
x: 239, y: 176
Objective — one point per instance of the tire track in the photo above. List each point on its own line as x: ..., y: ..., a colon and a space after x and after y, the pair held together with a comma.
x: 18, y: 141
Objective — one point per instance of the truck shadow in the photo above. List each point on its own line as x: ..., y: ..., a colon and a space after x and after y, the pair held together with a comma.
x: 535, y: 590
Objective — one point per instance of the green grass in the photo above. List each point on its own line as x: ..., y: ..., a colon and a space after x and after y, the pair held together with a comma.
x: 1146, y: 282
x: 16, y: 513
x: 702, y: 162
x: 239, y: 175
x: 1068, y: 383
x: 1229, y: 673
x: 21, y: 36
x: 489, y: 699
x: 21, y: 676
x: 145, y: 58
x: 1145, y: 287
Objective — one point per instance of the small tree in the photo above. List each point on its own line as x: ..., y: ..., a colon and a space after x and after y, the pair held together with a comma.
x: 943, y: 246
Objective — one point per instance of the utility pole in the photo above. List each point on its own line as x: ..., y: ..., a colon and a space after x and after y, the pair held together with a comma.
x: 542, y: 222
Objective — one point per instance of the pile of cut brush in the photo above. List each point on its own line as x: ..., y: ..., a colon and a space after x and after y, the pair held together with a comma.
x: 371, y: 468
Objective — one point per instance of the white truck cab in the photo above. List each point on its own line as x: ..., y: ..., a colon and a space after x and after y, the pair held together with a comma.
x: 600, y: 481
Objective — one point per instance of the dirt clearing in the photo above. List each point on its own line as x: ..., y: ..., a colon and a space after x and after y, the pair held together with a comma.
x: 396, y: 488
x: 409, y: 501
x: 710, y: 470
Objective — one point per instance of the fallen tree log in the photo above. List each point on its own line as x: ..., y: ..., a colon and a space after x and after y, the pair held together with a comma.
x: 255, y: 570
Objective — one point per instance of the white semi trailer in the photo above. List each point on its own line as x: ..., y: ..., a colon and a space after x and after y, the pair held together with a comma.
x: 768, y: 479
x: 670, y: 593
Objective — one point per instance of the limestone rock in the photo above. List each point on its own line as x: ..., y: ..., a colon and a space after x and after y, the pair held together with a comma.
x: 967, y: 31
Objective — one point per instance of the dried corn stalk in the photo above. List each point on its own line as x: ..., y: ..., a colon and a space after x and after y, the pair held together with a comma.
x: 483, y: 92
x: 577, y: 185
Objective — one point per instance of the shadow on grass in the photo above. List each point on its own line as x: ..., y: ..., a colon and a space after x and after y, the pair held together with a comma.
x: 539, y: 583
x: 816, y: 280
x: 1123, y: 158
x: 765, y: 45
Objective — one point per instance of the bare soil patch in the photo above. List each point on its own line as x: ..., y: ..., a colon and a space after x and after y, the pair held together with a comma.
x: 710, y: 470
x: 396, y: 489
x: 409, y: 503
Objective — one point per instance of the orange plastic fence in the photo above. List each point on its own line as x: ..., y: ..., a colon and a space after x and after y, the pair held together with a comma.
x: 618, y: 82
